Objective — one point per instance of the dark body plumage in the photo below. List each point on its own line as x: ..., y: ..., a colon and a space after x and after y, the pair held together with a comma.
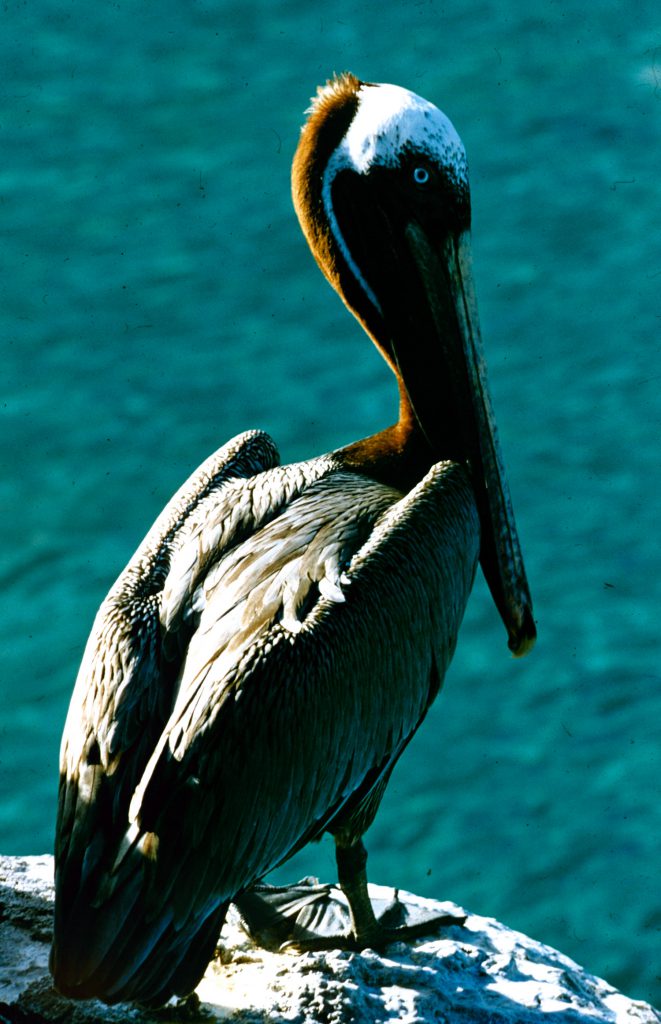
x: 269, y: 651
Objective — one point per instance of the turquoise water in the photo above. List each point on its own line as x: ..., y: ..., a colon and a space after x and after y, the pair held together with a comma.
x: 157, y: 297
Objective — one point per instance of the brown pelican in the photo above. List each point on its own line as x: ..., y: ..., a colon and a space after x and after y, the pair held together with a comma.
x: 278, y: 637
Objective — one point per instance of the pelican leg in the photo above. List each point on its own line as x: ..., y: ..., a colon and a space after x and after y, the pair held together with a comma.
x: 352, y: 876
x: 397, y: 922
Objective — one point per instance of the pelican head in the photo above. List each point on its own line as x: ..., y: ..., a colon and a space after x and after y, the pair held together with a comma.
x: 380, y: 186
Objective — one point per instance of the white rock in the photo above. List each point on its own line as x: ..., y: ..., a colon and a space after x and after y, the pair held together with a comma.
x: 482, y: 973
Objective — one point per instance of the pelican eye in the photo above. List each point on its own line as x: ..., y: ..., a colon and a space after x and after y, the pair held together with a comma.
x: 421, y: 175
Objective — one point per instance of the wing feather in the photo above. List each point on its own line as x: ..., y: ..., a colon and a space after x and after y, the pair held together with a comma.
x: 123, y: 693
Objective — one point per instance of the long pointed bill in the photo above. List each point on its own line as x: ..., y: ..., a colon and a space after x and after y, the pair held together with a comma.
x: 462, y: 410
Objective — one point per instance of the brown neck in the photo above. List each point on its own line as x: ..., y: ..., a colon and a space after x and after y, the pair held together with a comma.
x: 398, y: 456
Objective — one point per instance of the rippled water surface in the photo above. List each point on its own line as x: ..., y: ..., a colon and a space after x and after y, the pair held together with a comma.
x: 157, y: 297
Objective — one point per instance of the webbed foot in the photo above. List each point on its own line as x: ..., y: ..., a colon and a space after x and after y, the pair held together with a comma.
x: 310, y: 916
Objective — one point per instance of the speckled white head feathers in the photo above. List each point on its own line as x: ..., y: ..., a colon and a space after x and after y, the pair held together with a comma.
x: 353, y: 129
x: 390, y: 120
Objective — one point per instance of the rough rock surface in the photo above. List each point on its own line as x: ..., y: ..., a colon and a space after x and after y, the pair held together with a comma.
x: 481, y: 972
